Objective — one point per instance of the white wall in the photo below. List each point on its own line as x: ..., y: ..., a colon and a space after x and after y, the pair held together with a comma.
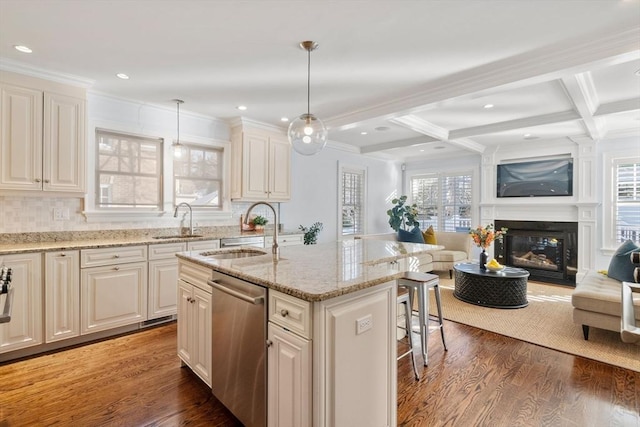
x: 314, y: 192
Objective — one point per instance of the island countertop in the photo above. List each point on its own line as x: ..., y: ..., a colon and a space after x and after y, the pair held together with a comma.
x: 318, y: 272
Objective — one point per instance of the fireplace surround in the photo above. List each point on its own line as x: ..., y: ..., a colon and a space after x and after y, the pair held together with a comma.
x: 548, y: 250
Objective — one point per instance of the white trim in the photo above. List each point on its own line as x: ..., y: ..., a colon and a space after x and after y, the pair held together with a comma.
x: 28, y: 70
x: 609, y: 222
x: 346, y: 167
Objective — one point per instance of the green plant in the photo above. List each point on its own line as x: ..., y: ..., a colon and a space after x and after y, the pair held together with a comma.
x: 311, y: 233
x: 402, y: 215
x: 259, y: 220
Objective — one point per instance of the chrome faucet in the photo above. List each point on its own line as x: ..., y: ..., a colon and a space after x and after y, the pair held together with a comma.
x: 274, y: 248
x: 175, y: 215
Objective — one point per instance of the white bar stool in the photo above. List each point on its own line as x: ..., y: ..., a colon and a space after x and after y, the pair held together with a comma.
x: 422, y: 282
x: 403, y: 298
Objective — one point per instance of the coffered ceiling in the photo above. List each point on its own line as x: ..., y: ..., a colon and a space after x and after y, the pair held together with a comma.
x: 403, y: 79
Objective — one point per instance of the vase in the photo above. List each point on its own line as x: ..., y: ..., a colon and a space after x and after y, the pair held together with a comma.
x: 483, y: 260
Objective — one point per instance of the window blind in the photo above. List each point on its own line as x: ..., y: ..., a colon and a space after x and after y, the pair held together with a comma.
x: 627, y: 203
x: 197, y: 176
x: 352, y: 201
x: 443, y: 200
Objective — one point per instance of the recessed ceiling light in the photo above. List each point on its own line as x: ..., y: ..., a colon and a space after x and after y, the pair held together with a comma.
x: 487, y: 106
x: 382, y: 128
x: 122, y: 76
x: 284, y: 119
x: 363, y: 133
x: 421, y: 150
x: 23, y: 49
x: 241, y: 107
x: 527, y: 135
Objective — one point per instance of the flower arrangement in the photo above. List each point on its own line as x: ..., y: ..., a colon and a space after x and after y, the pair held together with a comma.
x: 483, y: 236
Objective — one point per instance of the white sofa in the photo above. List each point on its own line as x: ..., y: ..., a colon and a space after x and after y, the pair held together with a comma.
x: 457, y: 248
x: 597, y: 302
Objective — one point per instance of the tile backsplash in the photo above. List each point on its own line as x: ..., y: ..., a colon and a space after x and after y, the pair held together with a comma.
x: 36, y: 214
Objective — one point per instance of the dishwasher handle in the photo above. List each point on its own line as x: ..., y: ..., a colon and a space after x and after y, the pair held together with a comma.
x: 253, y: 300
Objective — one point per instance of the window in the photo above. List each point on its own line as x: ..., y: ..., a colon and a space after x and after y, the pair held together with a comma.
x: 128, y: 171
x: 352, y: 200
x: 444, y: 200
x: 197, y: 176
x: 627, y: 199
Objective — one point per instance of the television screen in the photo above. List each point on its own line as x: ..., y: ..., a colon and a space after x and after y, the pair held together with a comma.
x: 541, y: 178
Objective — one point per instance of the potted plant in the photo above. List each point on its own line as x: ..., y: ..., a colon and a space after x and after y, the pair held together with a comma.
x: 259, y: 222
x: 311, y: 233
x: 403, y: 216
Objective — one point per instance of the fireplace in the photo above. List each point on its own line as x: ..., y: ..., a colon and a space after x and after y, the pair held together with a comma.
x: 548, y: 250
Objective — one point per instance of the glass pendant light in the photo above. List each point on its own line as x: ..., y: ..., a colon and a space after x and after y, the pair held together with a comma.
x: 177, y: 148
x: 307, y: 133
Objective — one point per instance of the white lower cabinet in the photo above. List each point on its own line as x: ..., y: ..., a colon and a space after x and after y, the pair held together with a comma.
x: 62, y: 295
x: 289, y: 378
x: 25, y: 328
x: 163, y: 279
x: 114, y: 293
x: 194, y: 319
x: 290, y: 239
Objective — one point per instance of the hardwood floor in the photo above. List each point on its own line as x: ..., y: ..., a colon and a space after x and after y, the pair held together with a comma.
x: 483, y: 380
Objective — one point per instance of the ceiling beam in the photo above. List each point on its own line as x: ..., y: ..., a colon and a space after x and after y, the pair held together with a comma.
x: 422, y: 126
x: 398, y: 144
x: 582, y: 92
x: 544, y: 119
x: 623, y: 106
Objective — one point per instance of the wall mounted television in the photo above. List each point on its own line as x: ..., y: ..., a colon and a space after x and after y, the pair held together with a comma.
x: 539, y: 178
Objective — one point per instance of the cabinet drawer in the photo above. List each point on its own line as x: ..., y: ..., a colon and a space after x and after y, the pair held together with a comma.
x: 111, y: 256
x: 290, y: 240
x: 166, y: 250
x: 194, y: 274
x: 203, y: 245
x: 290, y: 312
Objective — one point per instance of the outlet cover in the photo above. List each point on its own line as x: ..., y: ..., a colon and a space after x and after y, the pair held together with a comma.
x: 363, y: 324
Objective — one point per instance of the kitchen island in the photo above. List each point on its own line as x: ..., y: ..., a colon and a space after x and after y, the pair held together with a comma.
x: 330, y: 325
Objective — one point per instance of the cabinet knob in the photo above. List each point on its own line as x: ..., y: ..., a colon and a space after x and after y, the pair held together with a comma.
x: 38, y: 180
x: 284, y: 313
x: 188, y: 299
x: 116, y: 268
x: 269, y: 343
x: 193, y: 300
x: 46, y: 181
x: 116, y: 256
x: 63, y: 254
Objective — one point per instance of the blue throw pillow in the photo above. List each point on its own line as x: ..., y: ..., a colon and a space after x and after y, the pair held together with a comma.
x: 621, y: 268
x: 413, y: 236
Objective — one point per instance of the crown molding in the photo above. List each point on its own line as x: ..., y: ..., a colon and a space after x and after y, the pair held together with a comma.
x: 254, y: 124
x: 539, y: 65
x: 67, y: 79
x: 343, y: 147
x: 422, y: 126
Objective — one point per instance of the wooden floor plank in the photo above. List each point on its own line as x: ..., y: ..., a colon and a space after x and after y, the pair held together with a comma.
x: 483, y: 380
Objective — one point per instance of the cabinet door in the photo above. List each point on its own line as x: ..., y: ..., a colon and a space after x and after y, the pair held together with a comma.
x: 113, y: 296
x: 254, y: 167
x: 288, y: 378
x: 20, y: 138
x: 25, y: 327
x: 279, y: 170
x: 62, y: 295
x: 64, y: 143
x: 202, y: 331
x: 163, y: 282
x: 185, y: 291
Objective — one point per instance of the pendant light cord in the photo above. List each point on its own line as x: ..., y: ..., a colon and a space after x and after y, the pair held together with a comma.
x: 308, y: 81
x: 178, y: 125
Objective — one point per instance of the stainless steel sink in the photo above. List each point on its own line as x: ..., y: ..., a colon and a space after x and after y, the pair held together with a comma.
x: 233, y: 253
x: 178, y: 236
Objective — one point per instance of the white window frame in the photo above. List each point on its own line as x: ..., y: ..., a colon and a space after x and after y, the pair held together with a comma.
x: 221, y: 179
x: 128, y: 215
x: 342, y: 168
x: 440, y: 176
x: 609, y: 205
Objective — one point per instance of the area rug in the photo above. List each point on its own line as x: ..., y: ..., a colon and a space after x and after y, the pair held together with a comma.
x: 546, y: 321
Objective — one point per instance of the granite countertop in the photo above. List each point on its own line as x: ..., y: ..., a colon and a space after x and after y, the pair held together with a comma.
x: 318, y: 272
x: 47, y: 242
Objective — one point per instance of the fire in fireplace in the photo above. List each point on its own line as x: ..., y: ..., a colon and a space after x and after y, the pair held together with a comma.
x: 548, y: 250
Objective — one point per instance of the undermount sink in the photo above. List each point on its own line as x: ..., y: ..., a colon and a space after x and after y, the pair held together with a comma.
x: 179, y: 236
x: 233, y: 253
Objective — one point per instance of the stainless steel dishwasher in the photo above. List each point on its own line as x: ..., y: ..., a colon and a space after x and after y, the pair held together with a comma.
x: 239, y: 368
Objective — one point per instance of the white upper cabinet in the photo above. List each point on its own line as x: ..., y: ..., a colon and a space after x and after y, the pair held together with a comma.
x: 261, y: 165
x: 43, y: 137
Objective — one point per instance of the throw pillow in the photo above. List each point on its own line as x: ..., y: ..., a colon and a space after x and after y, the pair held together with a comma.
x: 413, y: 236
x: 621, y: 268
x: 430, y: 236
